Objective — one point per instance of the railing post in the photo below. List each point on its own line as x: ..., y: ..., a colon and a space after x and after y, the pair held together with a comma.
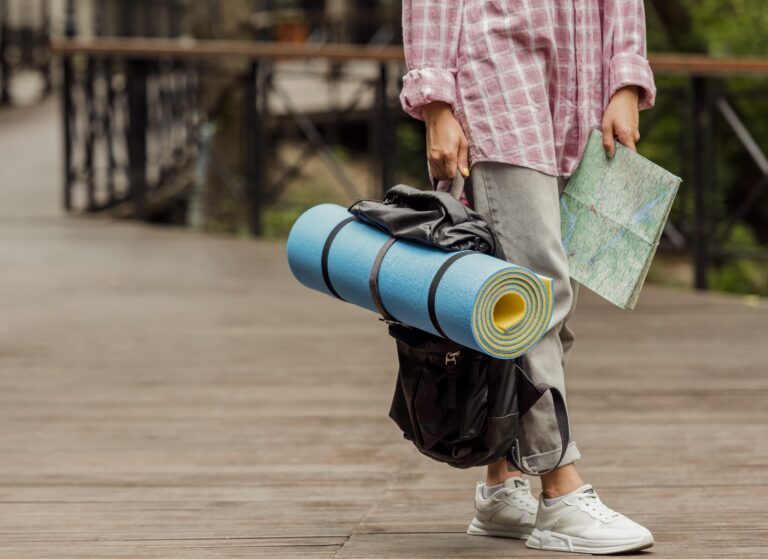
x: 5, y: 70
x: 254, y: 146
x: 107, y: 69
x: 45, y: 15
x: 385, y: 139
x: 702, y: 177
x: 90, y: 135
x: 67, y: 107
x: 66, y: 112
x: 137, y: 134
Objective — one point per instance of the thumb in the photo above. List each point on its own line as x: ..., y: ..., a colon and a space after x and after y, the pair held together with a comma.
x: 463, y: 157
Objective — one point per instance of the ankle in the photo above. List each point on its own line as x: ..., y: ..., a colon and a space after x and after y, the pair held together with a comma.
x: 499, y: 479
x: 562, y: 481
x: 498, y: 473
x: 553, y: 492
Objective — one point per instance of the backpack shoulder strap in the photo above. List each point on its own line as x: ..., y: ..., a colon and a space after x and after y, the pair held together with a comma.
x: 528, y: 394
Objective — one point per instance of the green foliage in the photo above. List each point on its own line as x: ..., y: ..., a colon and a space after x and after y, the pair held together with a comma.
x: 732, y: 27
x: 741, y: 276
x: 411, y: 150
x: 278, y: 219
x: 720, y: 28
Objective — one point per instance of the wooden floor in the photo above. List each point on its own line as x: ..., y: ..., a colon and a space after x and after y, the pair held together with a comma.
x: 166, y: 394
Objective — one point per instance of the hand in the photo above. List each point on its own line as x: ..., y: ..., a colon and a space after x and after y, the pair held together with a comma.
x: 446, y: 142
x: 621, y: 120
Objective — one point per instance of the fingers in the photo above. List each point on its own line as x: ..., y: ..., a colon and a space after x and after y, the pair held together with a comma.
x: 446, y: 144
x: 628, y: 136
x: 608, y: 142
x: 628, y: 143
x: 463, y: 157
x: 444, y: 162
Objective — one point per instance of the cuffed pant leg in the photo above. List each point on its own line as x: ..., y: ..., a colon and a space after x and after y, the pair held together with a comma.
x: 523, y: 206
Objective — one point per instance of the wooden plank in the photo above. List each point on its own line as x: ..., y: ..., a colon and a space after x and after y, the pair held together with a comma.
x: 285, y: 548
x: 700, y: 543
x: 416, y: 510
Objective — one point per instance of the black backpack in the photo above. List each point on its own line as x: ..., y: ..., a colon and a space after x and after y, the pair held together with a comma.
x: 455, y: 404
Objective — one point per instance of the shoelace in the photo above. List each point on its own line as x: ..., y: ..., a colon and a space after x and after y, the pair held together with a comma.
x: 592, y: 503
x: 516, y: 496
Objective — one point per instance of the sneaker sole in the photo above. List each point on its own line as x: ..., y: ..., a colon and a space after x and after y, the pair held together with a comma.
x: 553, y: 541
x: 481, y: 528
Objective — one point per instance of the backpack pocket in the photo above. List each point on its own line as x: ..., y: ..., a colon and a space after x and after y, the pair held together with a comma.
x: 441, y: 396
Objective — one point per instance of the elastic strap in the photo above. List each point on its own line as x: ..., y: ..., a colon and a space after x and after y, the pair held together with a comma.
x: 527, y: 395
x: 436, y: 283
x: 373, y: 280
x: 326, y: 250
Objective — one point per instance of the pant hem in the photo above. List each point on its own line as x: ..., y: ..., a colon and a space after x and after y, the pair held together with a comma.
x: 544, y: 461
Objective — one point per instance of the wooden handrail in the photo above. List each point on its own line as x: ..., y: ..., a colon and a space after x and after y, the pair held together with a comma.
x: 194, y: 48
x: 148, y: 48
x: 703, y: 65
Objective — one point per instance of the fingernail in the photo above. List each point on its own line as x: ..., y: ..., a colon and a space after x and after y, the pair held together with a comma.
x: 465, y: 171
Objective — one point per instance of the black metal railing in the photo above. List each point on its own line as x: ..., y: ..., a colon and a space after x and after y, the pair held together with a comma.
x: 119, y: 118
x: 24, y: 43
x: 129, y: 131
x: 706, y: 109
x: 702, y: 103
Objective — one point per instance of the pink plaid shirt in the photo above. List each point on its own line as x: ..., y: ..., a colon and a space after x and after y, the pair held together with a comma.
x: 527, y: 79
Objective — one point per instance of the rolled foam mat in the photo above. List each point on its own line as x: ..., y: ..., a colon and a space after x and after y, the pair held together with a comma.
x: 478, y: 301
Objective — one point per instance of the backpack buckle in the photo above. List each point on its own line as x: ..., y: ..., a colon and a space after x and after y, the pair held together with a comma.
x: 451, y: 357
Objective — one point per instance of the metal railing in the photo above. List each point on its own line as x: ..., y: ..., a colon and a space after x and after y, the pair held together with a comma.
x: 139, y: 61
x: 702, y: 102
x: 708, y: 109
x: 129, y: 131
x: 24, y: 44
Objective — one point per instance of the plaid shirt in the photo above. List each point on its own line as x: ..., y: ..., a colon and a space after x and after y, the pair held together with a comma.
x: 527, y: 79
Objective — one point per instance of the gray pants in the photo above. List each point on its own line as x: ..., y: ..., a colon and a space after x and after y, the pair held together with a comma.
x: 523, y: 206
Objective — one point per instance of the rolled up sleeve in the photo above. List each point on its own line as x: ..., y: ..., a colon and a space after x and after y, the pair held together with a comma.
x: 629, y: 63
x: 431, y: 31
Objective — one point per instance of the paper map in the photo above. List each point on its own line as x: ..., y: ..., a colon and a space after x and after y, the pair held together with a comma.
x: 613, y: 212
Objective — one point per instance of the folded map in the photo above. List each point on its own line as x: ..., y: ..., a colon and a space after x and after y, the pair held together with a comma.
x: 613, y: 212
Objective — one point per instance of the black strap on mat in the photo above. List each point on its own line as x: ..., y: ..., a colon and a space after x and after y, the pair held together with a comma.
x: 436, y: 283
x: 326, y: 250
x: 373, y: 280
x: 527, y: 395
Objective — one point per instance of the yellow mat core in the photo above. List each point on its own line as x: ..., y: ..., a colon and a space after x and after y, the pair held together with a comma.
x: 508, y: 311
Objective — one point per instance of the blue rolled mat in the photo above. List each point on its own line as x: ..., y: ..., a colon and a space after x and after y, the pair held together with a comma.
x: 480, y: 302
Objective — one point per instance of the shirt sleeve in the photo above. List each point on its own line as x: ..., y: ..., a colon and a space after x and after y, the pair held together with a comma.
x: 629, y: 63
x: 431, y: 31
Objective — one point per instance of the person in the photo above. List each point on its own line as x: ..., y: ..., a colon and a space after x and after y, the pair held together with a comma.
x: 509, y: 91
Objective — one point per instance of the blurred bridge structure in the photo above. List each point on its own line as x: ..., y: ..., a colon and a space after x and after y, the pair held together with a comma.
x: 24, y: 35
x: 288, y: 81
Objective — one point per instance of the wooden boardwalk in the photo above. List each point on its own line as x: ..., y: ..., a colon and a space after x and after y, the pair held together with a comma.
x: 167, y: 394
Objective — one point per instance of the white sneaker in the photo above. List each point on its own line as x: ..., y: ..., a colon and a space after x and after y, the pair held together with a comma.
x: 581, y: 523
x: 510, y: 512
